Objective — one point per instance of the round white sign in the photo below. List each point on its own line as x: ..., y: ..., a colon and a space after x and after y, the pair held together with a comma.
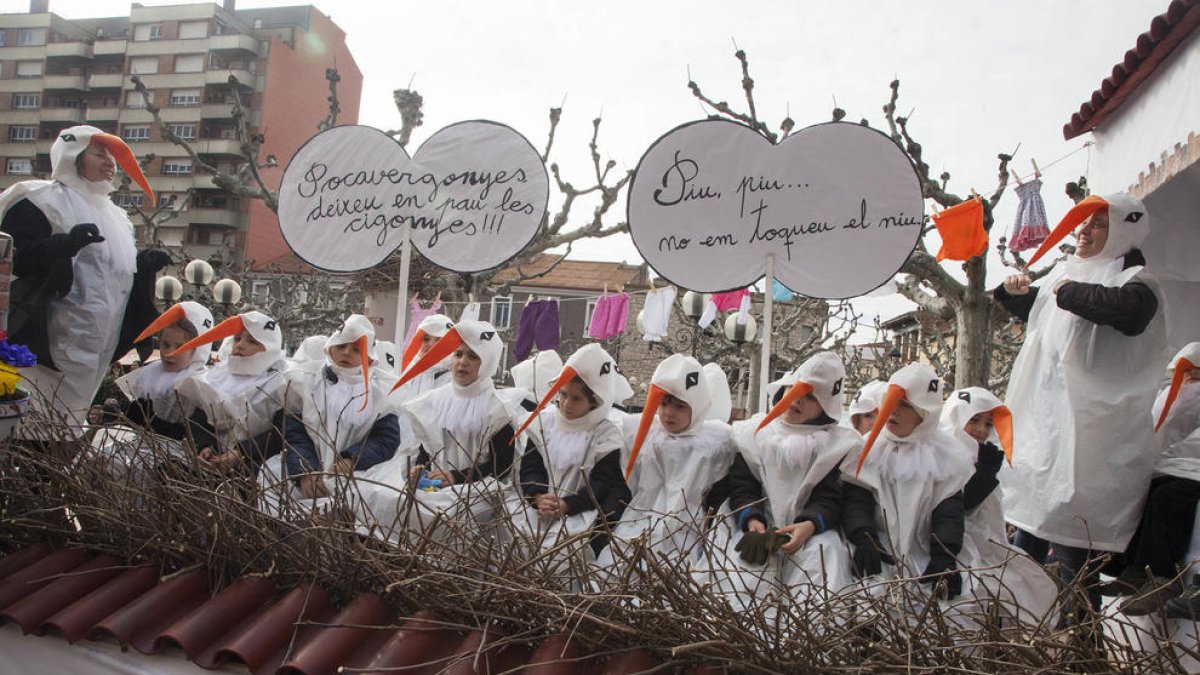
x: 838, y: 205
x: 475, y: 195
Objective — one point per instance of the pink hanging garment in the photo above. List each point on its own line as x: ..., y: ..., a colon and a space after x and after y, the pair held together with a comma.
x: 1029, y: 227
x: 729, y: 301
x: 609, y: 316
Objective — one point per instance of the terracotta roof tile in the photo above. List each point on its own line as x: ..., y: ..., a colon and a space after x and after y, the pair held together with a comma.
x: 1167, y: 31
x: 80, y: 595
x: 583, y: 275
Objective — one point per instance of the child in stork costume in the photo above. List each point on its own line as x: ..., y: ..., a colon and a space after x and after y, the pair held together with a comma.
x: 239, y: 403
x: 1005, y: 572
x: 340, y: 420
x: 681, y: 449
x: 153, y: 401
x: 462, y: 453
x: 311, y: 349
x: 1160, y: 547
x: 786, y: 488
x: 570, y: 479
x: 903, y: 502
x: 865, y: 405
x: 431, y: 329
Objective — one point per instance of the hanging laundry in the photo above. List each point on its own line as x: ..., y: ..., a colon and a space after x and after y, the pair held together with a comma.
x: 417, y: 314
x: 656, y: 315
x: 781, y: 293
x: 743, y: 314
x: 538, y: 325
x: 961, y: 229
x: 722, y: 302
x: 470, y: 312
x: 1029, y: 227
x: 609, y: 316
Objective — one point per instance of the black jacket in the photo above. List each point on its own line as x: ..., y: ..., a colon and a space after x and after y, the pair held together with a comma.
x: 823, y: 508
x: 1129, y: 308
x: 497, y: 461
x: 606, y: 490
x: 946, y: 525
x: 42, y: 273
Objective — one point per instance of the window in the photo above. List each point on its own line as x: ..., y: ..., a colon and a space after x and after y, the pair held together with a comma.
x: 185, y: 131
x: 189, y: 63
x: 136, y: 133
x: 147, y: 31
x: 143, y: 65
x: 259, y: 291
x: 31, y: 37
x: 587, y: 316
x: 26, y: 101
x: 184, y: 97
x: 502, y: 311
x: 127, y: 200
x: 177, y: 167
x: 29, y: 69
x: 189, y: 30
x: 20, y: 167
x: 2, y: 38
x: 22, y: 134
x: 133, y: 99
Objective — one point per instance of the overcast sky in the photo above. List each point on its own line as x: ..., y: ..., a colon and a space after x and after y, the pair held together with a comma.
x: 982, y: 77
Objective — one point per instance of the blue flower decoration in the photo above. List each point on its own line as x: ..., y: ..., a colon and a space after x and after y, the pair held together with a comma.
x: 16, y: 355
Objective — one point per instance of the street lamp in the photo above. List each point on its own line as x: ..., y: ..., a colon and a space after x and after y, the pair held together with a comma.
x: 693, y: 304
x: 168, y: 290
x: 199, y: 273
x: 740, y: 333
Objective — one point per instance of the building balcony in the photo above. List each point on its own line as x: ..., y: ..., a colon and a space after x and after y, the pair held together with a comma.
x: 218, y: 146
x: 106, y: 81
x: 233, y: 44
x: 244, y: 77
x: 198, y: 181
x: 22, y: 117
x: 217, y: 111
x: 64, y: 83
x: 74, y: 115
x: 226, y: 217
x: 109, y: 47
x: 25, y: 149
x: 155, y: 81
x: 103, y: 114
x: 68, y: 50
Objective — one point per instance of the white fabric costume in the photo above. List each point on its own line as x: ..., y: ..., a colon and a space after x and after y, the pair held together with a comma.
x: 670, y: 474
x: 455, y: 426
x: 1179, y: 434
x: 438, y: 375
x: 84, y: 327
x: 241, y: 395
x: 790, y: 460
x: 154, y: 383
x: 1076, y: 392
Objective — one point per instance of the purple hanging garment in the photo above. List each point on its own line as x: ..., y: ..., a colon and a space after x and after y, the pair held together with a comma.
x: 1029, y: 227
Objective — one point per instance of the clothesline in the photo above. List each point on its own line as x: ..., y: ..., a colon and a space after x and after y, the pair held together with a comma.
x: 1042, y: 167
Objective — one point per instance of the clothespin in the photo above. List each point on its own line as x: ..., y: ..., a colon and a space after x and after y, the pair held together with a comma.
x: 651, y: 283
x: 528, y: 299
x: 438, y: 297
x: 471, y: 298
x: 605, y: 289
x: 416, y: 296
x: 1015, y: 177
x: 974, y: 194
x: 1037, y: 173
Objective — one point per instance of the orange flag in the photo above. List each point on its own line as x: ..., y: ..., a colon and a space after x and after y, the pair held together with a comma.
x: 961, y: 229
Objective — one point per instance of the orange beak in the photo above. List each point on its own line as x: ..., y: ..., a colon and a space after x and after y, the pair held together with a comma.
x: 654, y: 399
x: 128, y: 163
x: 564, y: 376
x: 231, y: 326
x: 961, y: 230
x: 1002, y: 419
x: 167, y: 318
x: 895, y: 393
x: 1074, y: 217
x: 444, y: 347
x: 365, y: 357
x: 794, y: 393
x: 411, y: 349
x: 1182, y: 367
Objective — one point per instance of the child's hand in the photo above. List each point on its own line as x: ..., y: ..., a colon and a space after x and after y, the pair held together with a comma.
x: 225, y: 461
x: 444, y: 476
x: 344, y: 466
x: 755, y: 525
x: 799, y: 533
x: 551, y: 506
x: 312, y: 487
x: 415, y: 472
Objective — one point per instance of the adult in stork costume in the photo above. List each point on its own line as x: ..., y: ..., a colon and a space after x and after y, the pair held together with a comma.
x: 865, y: 405
x: 1164, y: 535
x: 239, y: 403
x: 786, y: 488
x: 1080, y: 386
x: 1004, y: 571
x: 680, y: 450
x: 903, y: 502
x: 463, y: 451
x: 431, y: 329
x: 340, y: 419
x: 571, y: 480
x: 81, y: 290
x: 153, y: 401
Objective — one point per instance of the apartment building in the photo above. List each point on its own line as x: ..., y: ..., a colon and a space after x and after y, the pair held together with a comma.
x: 196, y: 59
